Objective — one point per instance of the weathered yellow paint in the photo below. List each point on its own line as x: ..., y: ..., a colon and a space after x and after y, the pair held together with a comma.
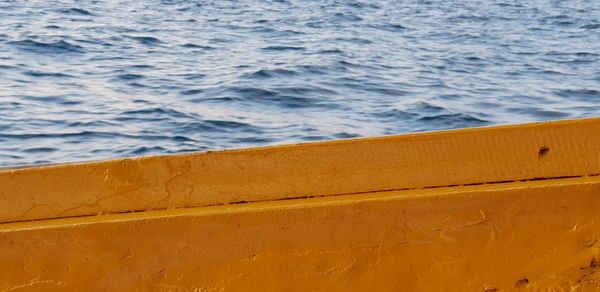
x: 316, y: 169
x: 535, y: 235
x: 491, y: 209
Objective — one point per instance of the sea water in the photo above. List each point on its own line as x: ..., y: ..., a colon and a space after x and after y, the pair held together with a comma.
x: 88, y: 80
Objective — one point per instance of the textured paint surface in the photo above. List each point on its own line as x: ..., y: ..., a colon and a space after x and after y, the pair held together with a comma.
x: 493, y: 209
x: 532, y: 235
x: 532, y: 151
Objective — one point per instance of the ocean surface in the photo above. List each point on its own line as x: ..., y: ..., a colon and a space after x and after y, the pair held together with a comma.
x: 89, y: 80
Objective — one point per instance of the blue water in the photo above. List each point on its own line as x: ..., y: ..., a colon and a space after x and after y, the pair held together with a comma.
x: 87, y: 80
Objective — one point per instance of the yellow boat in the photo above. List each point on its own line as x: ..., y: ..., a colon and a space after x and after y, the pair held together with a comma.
x: 485, y: 209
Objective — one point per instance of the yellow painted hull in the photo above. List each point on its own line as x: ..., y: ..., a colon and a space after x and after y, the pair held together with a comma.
x: 489, y: 209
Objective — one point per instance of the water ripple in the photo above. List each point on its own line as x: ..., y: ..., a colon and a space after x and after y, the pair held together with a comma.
x: 75, y: 11
x: 58, y: 47
x: 94, y: 80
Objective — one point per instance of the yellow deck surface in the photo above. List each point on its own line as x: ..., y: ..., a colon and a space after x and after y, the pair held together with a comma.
x: 489, y: 209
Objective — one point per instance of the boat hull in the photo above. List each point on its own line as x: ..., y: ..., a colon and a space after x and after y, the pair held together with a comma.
x: 519, y: 222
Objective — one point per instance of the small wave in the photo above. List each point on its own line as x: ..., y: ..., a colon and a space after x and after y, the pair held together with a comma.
x: 271, y: 73
x: 304, y: 90
x: 191, y: 91
x: 345, y: 135
x: 178, y: 138
x: 141, y: 66
x: 314, y: 69
x: 138, y: 85
x: 225, y: 100
x: 10, y: 157
x: 352, y: 40
x: 149, y: 114
x: 314, y: 138
x: 392, y: 27
x: 343, y: 65
x: 88, y: 124
x: 76, y: 11
x: 147, y: 40
x: 473, y: 59
x: 227, y: 124
x: 564, y: 23
x: 59, y: 47
x: 195, y: 46
x: 289, y: 32
x: 147, y: 150
x: 82, y: 135
x: 387, y: 91
x: 502, y: 4
x: 47, y: 74
x: 471, y: 18
x: 331, y: 51
x: 217, y: 126
x: 582, y: 94
x: 586, y: 54
x: 362, y: 5
x: 346, y: 16
x: 251, y: 92
x: 456, y: 120
x: 283, y: 48
x: 284, y: 97
x: 542, y: 114
x: 40, y: 150
x: 129, y: 77
x: 254, y: 140
x: 591, y: 26
x: 395, y: 115
x: 546, y: 114
x: 194, y: 76
x: 558, y: 16
x: 219, y: 40
x: 426, y: 107
x: 52, y: 99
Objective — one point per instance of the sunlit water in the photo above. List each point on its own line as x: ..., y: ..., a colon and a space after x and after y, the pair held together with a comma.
x: 88, y: 80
